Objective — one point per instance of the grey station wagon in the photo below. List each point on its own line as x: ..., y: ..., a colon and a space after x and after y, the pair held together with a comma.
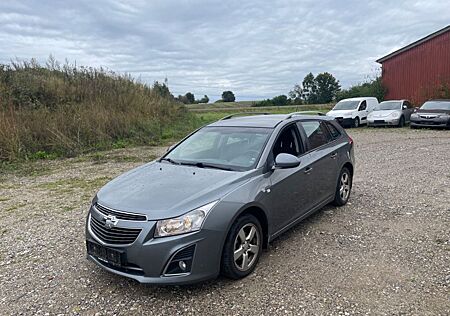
x: 218, y: 197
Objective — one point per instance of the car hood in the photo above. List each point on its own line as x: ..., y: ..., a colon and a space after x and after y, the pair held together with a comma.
x: 383, y: 113
x: 423, y: 111
x: 338, y: 113
x: 162, y: 190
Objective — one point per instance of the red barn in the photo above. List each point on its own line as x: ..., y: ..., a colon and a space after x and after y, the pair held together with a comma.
x: 419, y: 71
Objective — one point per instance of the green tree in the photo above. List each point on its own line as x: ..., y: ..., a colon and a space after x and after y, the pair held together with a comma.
x: 309, y: 89
x: 320, y: 89
x: 228, y: 96
x: 370, y: 88
x: 326, y: 88
x: 190, y: 98
x: 205, y: 99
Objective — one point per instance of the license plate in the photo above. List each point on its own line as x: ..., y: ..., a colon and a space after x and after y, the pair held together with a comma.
x: 102, y: 253
x: 379, y: 121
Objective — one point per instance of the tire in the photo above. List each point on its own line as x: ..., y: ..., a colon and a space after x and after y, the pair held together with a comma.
x: 401, y: 122
x: 356, y: 122
x: 343, y: 188
x: 251, y: 247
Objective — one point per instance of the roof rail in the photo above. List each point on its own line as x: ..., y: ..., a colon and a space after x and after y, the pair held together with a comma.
x: 304, y: 112
x: 244, y: 114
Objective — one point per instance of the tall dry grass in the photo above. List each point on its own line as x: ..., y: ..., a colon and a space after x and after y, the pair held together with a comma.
x: 65, y: 109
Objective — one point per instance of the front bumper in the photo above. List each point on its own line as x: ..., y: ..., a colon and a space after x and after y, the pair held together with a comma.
x: 345, y: 121
x: 442, y: 122
x: 147, y: 258
x: 383, y: 122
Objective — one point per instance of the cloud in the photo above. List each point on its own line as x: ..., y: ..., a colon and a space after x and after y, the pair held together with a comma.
x: 257, y: 49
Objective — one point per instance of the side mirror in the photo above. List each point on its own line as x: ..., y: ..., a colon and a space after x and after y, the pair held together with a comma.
x: 284, y: 161
x: 404, y: 107
x: 170, y: 147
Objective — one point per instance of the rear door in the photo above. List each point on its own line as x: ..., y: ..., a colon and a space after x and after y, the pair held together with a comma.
x: 323, y: 151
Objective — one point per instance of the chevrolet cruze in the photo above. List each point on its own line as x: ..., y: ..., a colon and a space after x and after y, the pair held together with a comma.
x: 215, y: 200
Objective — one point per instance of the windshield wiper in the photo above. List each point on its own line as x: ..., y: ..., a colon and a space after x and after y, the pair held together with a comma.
x: 205, y: 165
x: 170, y: 160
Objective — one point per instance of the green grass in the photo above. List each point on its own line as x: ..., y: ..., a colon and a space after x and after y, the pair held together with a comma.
x: 221, y: 105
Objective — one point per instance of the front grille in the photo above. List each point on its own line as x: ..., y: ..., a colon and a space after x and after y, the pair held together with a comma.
x: 114, y: 235
x: 120, y: 215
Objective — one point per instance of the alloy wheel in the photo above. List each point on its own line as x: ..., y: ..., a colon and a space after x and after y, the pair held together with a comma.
x: 344, y: 187
x: 246, y: 247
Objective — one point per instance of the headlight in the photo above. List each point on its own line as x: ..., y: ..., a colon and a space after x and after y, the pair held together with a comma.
x: 395, y: 114
x: 189, y: 222
x: 414, y: 115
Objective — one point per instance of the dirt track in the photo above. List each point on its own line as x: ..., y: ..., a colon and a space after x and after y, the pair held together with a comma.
x: 386, y: 252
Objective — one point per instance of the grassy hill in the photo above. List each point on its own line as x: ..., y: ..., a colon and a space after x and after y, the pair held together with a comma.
x: 61, y: 110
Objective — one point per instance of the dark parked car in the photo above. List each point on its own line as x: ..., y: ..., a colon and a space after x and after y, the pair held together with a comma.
x: 434, y: 113
x: 217, y: 198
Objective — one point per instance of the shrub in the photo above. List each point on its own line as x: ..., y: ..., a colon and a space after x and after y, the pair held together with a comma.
x: 67, y: 109
x: 371, y: 88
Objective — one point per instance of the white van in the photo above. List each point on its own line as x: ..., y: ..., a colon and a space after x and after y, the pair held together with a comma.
x: 353, y: 112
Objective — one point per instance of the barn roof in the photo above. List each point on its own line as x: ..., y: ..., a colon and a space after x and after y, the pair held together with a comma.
x: 416, y: 43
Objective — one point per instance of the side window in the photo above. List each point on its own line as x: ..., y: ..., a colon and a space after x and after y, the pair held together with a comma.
x: 287, y: 142
x: 316, y: 132
x: 333, y: 131
x: 363, y: 105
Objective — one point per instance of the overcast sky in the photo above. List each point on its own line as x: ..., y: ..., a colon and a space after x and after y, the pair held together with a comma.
x: 257, y: 49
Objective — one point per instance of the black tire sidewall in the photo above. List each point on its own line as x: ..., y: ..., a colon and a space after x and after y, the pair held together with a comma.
x: 228, y: 267
x: 356, y: 122
x: 401, y: 122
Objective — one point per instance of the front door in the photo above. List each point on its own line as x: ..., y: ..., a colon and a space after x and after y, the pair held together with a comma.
x: 288, y: 194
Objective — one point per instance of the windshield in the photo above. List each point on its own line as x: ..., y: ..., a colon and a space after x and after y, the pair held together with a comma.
x: 232, y: 148
x: 436, y: 105
x: 388, y: 105
x: 346, y: 105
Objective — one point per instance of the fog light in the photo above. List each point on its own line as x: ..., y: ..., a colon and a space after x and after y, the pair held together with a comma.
x: 182, y: 265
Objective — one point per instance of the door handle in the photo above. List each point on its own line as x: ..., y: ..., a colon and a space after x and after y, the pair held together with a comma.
x: 308, y: 170
x: 333, y: 155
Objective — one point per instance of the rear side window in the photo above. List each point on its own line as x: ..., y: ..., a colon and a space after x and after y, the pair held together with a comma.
x: 334, y: 133
x: 316, y: 132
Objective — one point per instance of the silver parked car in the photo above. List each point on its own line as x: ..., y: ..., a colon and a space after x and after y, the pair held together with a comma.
x: 392, y: 112
x: 217, y: 198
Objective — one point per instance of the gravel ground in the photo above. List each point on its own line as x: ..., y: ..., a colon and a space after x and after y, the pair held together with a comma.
x: 387, y: 252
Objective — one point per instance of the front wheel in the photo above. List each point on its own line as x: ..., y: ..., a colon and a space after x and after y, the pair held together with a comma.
x: 401, y: 122
x: 343, y: 188
x: 242, y: 248
x: 356, y: 122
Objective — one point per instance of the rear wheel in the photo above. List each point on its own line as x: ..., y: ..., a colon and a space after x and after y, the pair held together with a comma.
x: 401, y: 122
x: 343, y: 188
x: 242, y: 248
x: 356, y: 122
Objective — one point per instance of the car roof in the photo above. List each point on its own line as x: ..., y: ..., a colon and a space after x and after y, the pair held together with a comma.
x: 265, y: 121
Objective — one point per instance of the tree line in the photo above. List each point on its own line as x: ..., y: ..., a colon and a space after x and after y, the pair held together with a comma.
x: 325, y: 88
x: 189, y: 98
